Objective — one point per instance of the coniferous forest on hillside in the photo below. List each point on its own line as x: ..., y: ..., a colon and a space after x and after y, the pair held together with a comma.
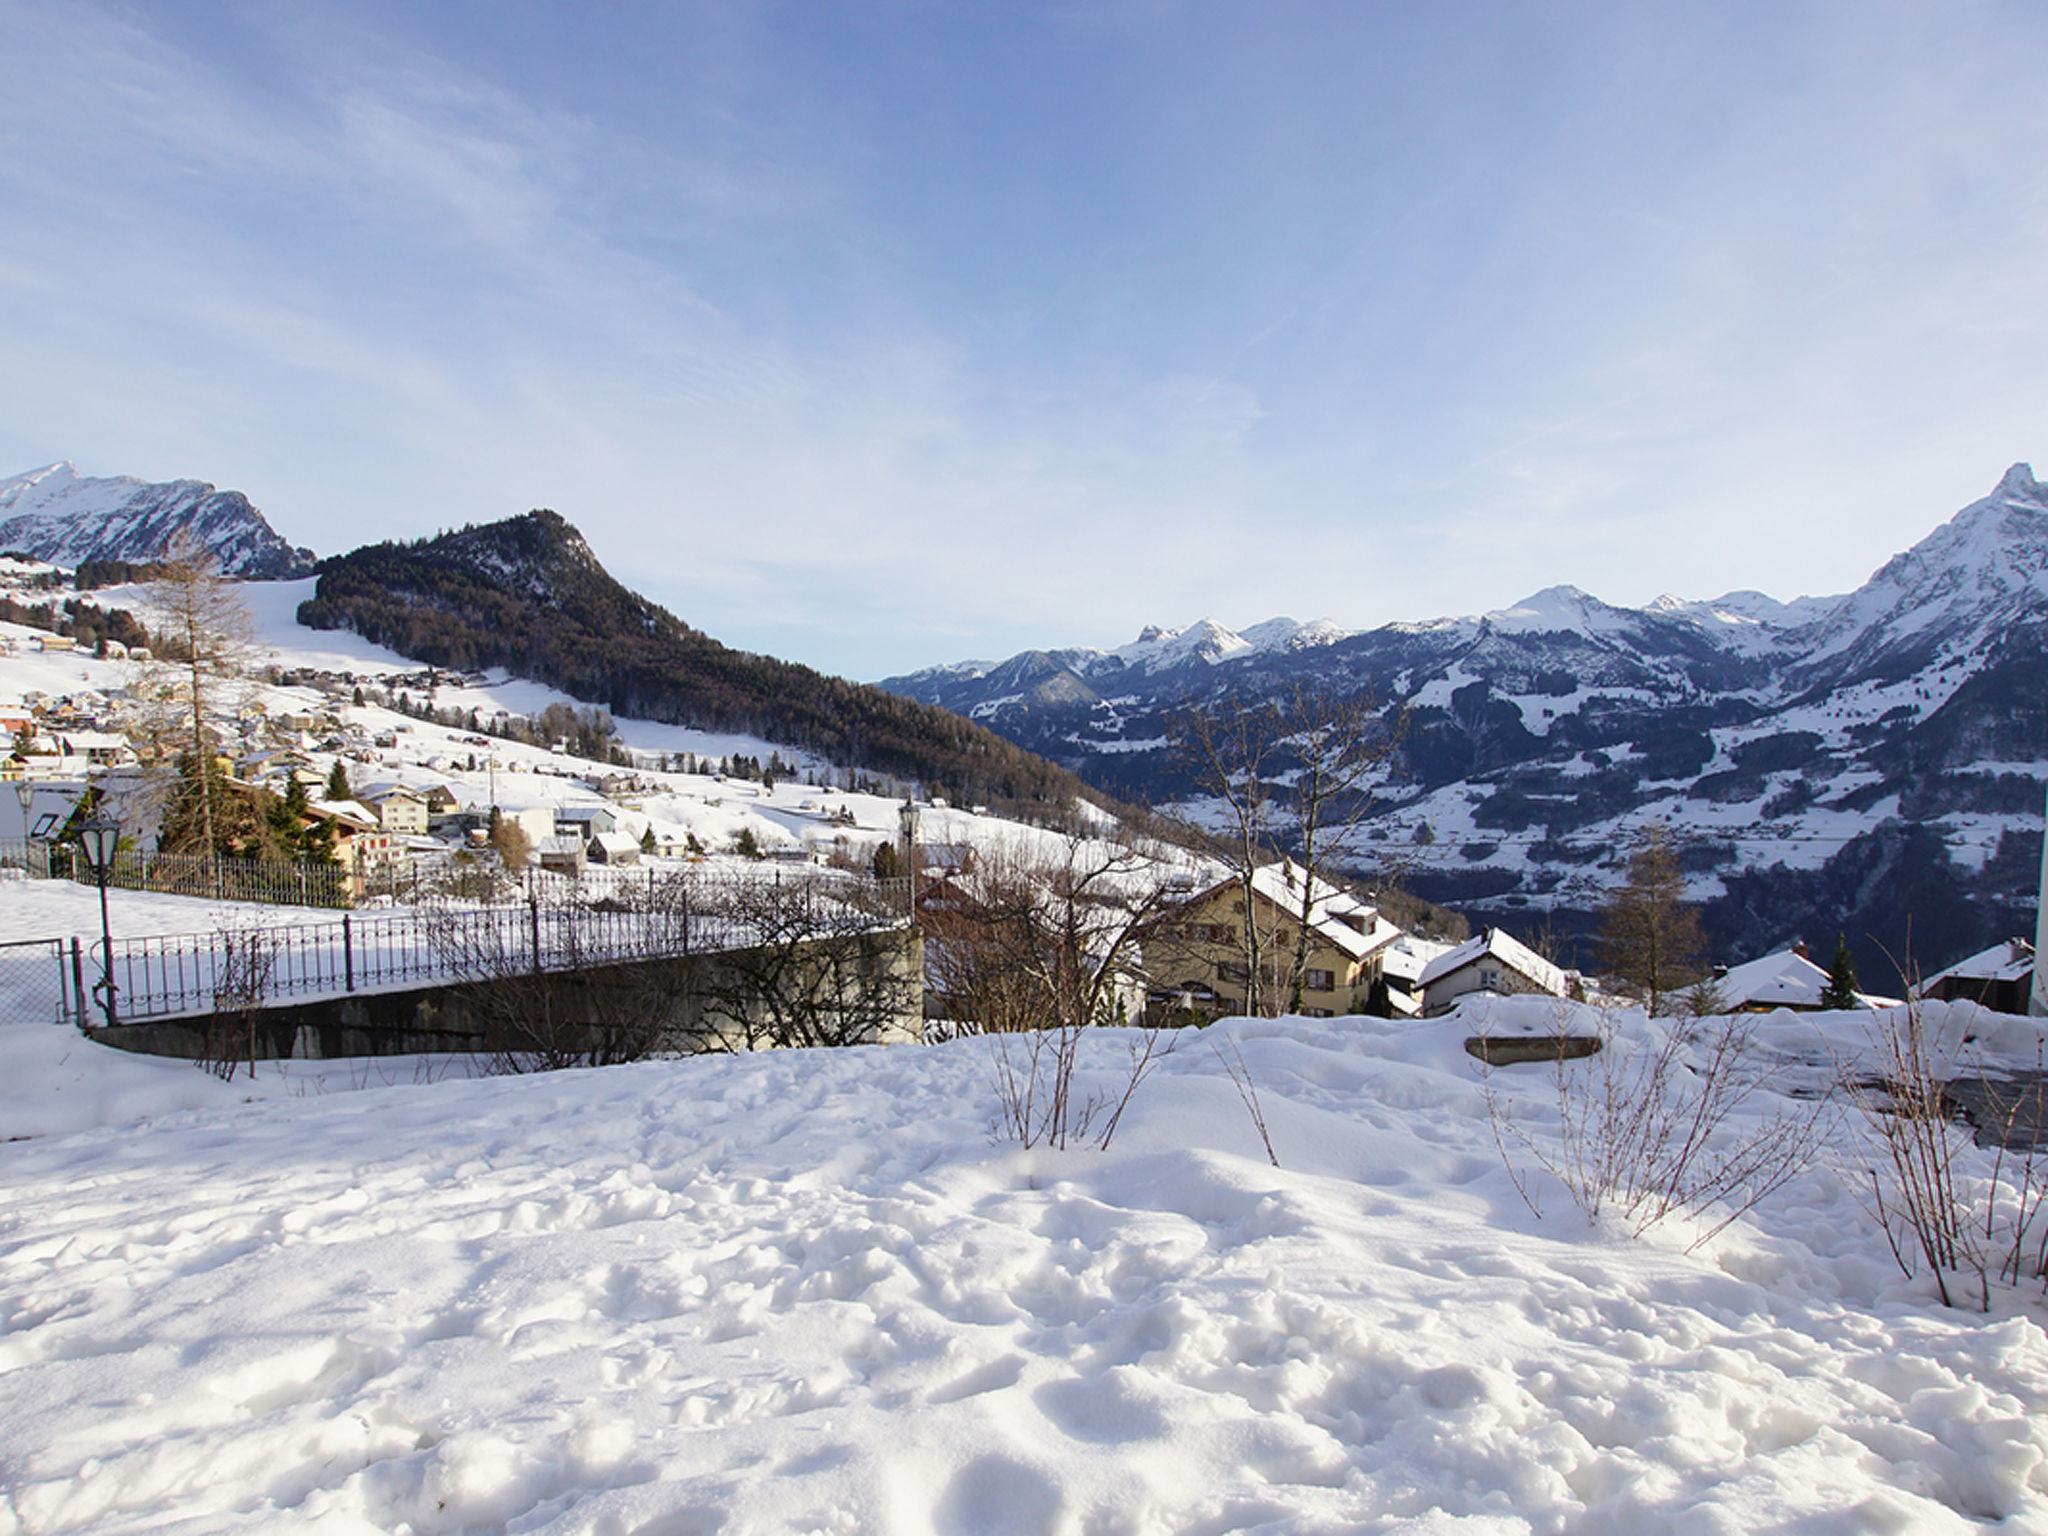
x: 527, y: 595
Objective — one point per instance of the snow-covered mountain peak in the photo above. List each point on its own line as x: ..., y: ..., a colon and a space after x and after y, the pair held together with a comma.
x: 1157, y: 649
x: 2019, y: 484
x: 54, y: 513
x: 1556, y: 608
x: 1957, y: 589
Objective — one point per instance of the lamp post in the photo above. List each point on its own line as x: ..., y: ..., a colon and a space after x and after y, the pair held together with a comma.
x: 98, y: 838
x: 25, y: 792
x: 907, y: 814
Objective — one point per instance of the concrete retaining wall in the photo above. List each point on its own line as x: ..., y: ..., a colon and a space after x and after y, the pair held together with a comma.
x: 607, y: 1013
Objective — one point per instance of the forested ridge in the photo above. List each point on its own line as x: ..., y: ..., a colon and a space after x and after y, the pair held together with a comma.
x: 527, y: 595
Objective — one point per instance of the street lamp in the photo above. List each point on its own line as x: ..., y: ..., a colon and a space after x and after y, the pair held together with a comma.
x: 98, y: 838
x: 25, y: 792
x: 907, y: 814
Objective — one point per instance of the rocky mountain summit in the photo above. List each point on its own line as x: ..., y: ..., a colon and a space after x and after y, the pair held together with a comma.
x: 1819, y: 758
x: 59, y: 515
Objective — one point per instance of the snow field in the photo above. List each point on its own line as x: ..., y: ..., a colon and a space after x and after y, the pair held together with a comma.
x: 804, y: 1291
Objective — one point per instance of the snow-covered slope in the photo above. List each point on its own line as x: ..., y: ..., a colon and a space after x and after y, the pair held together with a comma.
x: 804, y: 1291
x: 56, y: 514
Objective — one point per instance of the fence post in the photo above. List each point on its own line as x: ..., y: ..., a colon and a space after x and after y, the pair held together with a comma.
x: 348, y: 952
x: 78, y: 981
x: 533, y: 908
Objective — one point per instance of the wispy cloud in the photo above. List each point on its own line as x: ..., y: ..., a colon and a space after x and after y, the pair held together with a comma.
x: 869, y: 340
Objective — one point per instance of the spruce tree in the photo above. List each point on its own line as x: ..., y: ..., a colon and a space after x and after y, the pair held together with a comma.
x: 337, y: 782
x: 1840, y: 992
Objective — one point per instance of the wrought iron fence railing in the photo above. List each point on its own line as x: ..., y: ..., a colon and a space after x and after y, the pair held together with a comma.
x: 167, y: 976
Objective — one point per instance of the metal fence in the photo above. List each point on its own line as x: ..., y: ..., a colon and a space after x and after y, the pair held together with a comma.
x: 257, y: 964
x: 36, y: 982
x: 271, y: 882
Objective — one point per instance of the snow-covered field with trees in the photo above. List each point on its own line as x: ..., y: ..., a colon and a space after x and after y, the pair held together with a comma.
x: 817, y: 1291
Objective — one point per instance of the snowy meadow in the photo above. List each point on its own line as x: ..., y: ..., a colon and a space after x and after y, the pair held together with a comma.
x: 811, y: 1291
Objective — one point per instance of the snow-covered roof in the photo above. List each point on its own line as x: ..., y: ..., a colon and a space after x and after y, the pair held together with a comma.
x: 616, y: 842
x: 1407, y: 957
x: 373, y: 794
x: 2012, y: 960
x: 1785, y: 980
x: 1508, y: 950
x: 1340, y: 919
x: 352, y: 812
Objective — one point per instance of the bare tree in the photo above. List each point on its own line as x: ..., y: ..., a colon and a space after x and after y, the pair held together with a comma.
x: 1650, y: 939
x: 1050, y: 934
x: 1293, y: 773
x: 202, y: 639
x: 802, y: 962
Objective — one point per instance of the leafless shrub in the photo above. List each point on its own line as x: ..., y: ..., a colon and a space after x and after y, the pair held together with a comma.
x: 1248, y: 1090
x: 241, y: 983
x: 1653, y: 1132
x: 1036, y: 1096
x: 1916, y: 1177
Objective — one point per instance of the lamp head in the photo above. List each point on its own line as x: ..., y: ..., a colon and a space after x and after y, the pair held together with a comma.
x: 98, y: 837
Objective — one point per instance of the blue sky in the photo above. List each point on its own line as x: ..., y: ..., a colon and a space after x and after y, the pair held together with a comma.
x: 882, y: 334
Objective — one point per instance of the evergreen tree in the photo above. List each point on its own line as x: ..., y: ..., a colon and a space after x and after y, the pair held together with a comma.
x: 1841, y: 988
x: 745, y: 845
x: 337, y: 782
x: 647, y: 843
x: 1650, y: 939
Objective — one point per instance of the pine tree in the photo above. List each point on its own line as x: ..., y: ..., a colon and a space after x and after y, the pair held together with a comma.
x: 337, y: 782
x: 1650, y: 939
x: 1840, y: 992
x: 886, y: 865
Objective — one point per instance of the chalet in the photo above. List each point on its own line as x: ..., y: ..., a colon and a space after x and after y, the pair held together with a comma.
x: 99, y: 749
x: 1788, y: 979
x: 1348, y: 939
x: 401, y: 810
x: 585, y: 821
x: 563, y: 855
x: 1402, y: 964
x: 613, y: 848
x: 1493, y: 962
x: 360, y: 843
x: 2000, y: 978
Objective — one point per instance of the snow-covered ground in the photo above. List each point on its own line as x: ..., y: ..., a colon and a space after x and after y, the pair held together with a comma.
x: 807, y: 1291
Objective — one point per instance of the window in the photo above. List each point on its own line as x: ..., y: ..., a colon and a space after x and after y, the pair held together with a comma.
x: 1317, y: 1013
x: 1319, y: 981
x: 1232, y: 971
x: 1220, y: 933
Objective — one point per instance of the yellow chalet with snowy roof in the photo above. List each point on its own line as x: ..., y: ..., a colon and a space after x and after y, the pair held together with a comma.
x: 1206, y: 959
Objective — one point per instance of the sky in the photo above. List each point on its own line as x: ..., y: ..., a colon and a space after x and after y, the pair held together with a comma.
x: 878, y: 335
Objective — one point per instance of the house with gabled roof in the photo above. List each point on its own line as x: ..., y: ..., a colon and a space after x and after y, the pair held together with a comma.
x: 1491, y: 962
x: 2000, y: 978
x: 401, y: 809
x: 1788, y: 979
x: 1347, y: 941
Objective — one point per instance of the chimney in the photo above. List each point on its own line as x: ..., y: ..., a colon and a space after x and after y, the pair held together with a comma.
x: 1799, y: 948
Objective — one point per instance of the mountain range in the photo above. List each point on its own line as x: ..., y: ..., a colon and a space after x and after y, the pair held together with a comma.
x: 1832, y: 764
x: 63, y: 517
x: 1871, y: 763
